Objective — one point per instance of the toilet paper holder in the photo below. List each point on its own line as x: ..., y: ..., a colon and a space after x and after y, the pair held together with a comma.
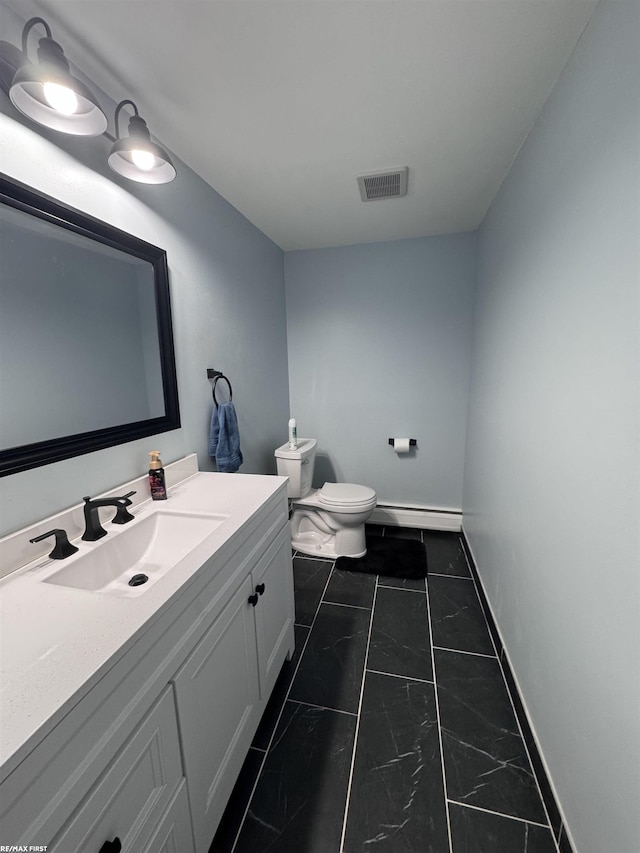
x: 412, y: 442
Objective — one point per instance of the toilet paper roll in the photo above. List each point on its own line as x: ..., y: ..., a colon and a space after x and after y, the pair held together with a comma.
x: 401, y: 445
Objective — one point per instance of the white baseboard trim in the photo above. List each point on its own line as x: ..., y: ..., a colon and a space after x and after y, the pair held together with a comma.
x: 420, y: 517
x: 502, y: 654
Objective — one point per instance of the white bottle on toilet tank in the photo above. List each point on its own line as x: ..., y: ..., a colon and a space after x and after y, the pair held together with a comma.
x: 293, y: 434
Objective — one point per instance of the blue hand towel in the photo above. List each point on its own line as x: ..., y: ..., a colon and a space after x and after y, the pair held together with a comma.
x: 224, y: 438
x: 214, y: 432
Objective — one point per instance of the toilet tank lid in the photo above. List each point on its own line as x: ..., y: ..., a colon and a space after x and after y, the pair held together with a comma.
x: 305, y: 447
x: 345, y: 493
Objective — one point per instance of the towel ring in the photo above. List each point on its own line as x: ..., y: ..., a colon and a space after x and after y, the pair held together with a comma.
x: 215, y: 382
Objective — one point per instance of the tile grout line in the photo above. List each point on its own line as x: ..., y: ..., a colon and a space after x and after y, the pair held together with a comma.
x: 511, y: 702
x: 500, y: 814
x: 463, y: 652
x: 456, y: 577
x: 403, y: 588
x: 437, y: 701
x: 284, y: 702
x: 357, y: 731
x: 322, y: 707
x: 396, y: 675
x: 341, y: 604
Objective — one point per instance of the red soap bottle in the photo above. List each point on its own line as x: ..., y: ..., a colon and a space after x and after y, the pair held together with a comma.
x: 156, y: 477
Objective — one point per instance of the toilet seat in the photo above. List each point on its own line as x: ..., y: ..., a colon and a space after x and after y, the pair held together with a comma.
x: 345, y: 495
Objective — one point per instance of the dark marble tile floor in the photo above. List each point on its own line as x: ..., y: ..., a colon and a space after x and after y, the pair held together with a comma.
x: 391, y: 730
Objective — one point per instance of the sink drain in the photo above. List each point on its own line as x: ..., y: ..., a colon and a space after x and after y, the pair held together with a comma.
x: 138, y: 580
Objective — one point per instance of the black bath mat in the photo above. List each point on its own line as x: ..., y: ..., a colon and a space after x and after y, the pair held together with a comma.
x: 390, y: 556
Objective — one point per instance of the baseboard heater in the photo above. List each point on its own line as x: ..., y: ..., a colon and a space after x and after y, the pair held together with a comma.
x: 420, y: 517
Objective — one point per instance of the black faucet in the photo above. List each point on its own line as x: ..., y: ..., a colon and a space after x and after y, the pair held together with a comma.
x: 93, y: 529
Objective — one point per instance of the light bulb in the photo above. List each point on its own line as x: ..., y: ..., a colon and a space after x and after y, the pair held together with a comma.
x: 61, y: 98
x: 143, y: 159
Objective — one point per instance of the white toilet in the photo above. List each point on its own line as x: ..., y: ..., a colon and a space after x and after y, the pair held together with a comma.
x: 329, y: 521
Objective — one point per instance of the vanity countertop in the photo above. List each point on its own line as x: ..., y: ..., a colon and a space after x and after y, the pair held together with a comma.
x: 56, y: 642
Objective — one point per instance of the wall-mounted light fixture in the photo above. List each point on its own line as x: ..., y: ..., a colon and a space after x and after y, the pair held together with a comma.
x: 136, y: 156
x: 47, y: 92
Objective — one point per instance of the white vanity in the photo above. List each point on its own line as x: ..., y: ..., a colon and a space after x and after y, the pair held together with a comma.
x: 127, y: 712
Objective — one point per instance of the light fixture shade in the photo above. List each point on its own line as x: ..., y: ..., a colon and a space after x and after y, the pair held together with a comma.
x: 27, y: 93
x: 126, y: 151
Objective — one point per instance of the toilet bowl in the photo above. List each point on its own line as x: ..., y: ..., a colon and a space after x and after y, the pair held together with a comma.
x: 330, y: 521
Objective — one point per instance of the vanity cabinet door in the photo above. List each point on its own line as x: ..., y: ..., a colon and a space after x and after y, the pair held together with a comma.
x: 274, y: 611
x: 218, y: 704
x: 128, y: 804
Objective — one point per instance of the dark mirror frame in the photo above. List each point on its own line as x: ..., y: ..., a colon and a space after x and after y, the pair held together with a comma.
x: 22, y: 458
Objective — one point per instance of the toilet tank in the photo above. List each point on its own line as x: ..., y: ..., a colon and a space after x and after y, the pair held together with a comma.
x: 297, y: 465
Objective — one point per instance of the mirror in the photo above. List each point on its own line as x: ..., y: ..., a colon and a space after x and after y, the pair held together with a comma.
x: 86, y: 344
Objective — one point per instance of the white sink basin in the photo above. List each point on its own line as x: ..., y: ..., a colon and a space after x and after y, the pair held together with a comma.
x: 149, y: 546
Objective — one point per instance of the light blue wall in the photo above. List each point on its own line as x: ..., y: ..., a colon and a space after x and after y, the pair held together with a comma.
x: 227, y: 292
x: 552, y: 474
x: 379, y: 344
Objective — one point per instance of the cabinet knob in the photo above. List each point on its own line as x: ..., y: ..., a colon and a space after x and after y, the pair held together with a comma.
x: 253, y: 600
x: 114, y: 846
x: 260, y: 588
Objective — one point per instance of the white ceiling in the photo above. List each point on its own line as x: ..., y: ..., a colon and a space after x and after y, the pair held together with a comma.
x: 279, y: 104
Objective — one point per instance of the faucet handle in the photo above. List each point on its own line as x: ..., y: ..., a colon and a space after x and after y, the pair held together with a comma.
x: 63, y: 548
x: 122, y: 513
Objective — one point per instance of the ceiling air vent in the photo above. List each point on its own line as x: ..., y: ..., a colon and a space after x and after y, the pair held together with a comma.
x: 391, y: 183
